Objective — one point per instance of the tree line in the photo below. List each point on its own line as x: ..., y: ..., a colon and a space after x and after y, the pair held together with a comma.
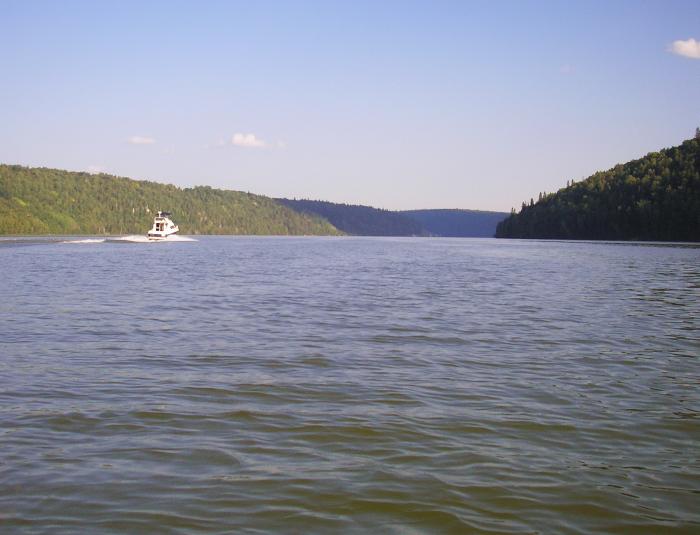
x: 52, y: 201
x: 359, y: 220
x: 656, y: 197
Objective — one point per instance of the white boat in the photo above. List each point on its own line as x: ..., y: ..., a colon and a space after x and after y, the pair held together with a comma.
x: 162, y: 227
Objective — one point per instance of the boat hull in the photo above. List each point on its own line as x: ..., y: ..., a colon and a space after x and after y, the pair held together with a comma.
x: 160, y: 237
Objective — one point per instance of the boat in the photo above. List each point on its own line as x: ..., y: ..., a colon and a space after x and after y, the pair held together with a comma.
x: 162, y: 227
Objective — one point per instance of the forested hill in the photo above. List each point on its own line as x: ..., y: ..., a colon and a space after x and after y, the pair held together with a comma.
x: 359, y: 220
x: 458, y: 223
x: 654, y: 198
x: 50, y: 201
x: 367, y: 221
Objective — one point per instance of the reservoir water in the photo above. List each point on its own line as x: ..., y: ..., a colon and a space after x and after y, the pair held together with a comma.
x: 355, y: 385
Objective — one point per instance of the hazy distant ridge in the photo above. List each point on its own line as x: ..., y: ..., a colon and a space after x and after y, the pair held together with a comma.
x: 362, y: 220
x: 359, y: 220
x: 458, y: 223
x: 656, y: 197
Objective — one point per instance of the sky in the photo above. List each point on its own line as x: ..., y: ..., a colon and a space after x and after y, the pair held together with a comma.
x: 398, y: 105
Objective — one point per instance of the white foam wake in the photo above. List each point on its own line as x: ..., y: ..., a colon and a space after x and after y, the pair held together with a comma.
x: 137, y: 238
x: 87, y: 240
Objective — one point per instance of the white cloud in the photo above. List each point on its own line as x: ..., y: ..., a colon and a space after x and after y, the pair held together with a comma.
x: 247, y: 140
x: 141, y: 140
x: 688, y: 49
x: 95, y: 169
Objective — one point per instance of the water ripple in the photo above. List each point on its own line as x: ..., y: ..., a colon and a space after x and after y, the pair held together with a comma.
x: 349, y: 385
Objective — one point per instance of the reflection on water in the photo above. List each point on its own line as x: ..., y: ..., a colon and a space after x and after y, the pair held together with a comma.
x: 348, y: 384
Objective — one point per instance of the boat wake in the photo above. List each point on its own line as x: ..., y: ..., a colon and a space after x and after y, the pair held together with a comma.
x: 135, y: 238
x: 164, y: 230
x: 87, y: 240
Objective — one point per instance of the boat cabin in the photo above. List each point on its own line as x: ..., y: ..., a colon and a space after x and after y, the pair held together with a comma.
x: 162, y: 226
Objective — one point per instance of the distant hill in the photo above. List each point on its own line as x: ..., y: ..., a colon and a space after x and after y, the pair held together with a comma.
x: 51, y: 201
x: 458, y: 223
x: 359, y: 220
x: 367, y: 221
x: 656, y: 197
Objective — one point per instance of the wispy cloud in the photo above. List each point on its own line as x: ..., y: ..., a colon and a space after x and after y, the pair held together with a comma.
x: 141, y: 140
x: 689, y: 48
x: 247, y: 140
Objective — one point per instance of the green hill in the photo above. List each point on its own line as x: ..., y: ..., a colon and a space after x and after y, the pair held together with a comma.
x: 654, y: 198
x: 51, y: 201
x: 359, y: 220
x: 458, y: 223
x: 362, y: 220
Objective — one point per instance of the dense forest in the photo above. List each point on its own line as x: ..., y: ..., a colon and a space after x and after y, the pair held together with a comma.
x: 458, y: 223
x: 50, y: 201
x: 359, y: 220
x: 654, y: 198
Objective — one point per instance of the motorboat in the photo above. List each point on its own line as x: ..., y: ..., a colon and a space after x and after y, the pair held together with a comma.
x: 162, y: 227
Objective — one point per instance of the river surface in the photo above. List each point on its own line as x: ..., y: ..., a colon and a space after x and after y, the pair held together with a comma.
x: 354, y: 385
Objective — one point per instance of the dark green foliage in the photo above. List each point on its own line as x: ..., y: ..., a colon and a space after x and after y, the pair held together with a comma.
x: 458, y: 223
x: 359, y: 220
x: 50, y: 201
x: 367, y: 221
x: 654, y: 198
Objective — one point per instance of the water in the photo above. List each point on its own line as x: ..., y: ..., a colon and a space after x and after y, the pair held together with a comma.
x: 312, y: 385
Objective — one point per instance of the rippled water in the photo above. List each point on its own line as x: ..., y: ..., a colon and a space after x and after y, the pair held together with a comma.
x: 306, y: 385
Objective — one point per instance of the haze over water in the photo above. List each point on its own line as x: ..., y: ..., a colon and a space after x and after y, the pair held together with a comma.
x: 361, y: 385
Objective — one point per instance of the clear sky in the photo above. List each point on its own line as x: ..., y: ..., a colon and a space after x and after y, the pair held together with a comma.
x: 398, y: 105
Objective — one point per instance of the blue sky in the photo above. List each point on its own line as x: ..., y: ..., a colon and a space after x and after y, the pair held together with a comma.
x: 394, y: 104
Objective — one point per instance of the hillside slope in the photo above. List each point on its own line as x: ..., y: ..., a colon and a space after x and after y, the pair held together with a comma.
x: 458, y: 223
x: 656, y: 197
x: 359, y: 220
x: 51, y: 201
